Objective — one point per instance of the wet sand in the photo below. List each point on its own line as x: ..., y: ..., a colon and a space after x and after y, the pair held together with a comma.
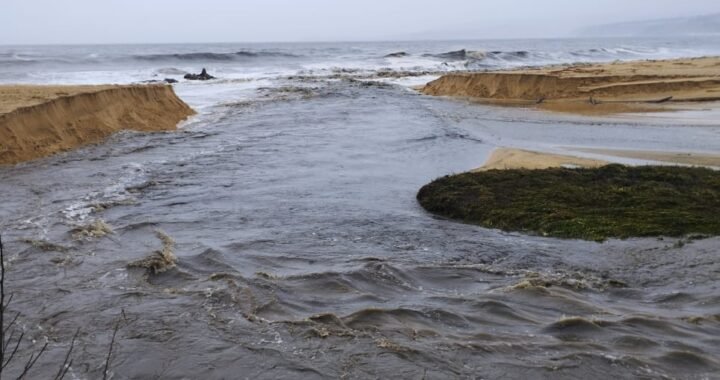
x: 37, y: 121
x: 638, y: 86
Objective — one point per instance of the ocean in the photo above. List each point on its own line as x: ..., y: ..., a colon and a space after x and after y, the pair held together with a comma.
x: 90, y: 64
x: 302, y: 251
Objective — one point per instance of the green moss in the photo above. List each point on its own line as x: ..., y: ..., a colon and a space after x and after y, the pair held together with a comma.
x: 613, y: 201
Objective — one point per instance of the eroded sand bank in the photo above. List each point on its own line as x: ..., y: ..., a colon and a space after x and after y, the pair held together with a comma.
x: 639, y: 86
x: 37, y: 121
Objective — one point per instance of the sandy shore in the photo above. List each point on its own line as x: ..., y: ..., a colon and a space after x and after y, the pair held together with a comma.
x: 640, y: 86
x: 694, y: 159
x: 508, y: 158
x: 18, y: 96
x: 37, y: 121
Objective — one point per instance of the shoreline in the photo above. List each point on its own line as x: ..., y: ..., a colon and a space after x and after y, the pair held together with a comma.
x: 503, y: 158
x: 680, y: 158
x: 511, y: 158
x: 606, y: 88
x: 39, y: 121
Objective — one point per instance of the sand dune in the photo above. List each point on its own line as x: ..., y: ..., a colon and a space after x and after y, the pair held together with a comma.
x: 614, y: 87
x: 37, y: 121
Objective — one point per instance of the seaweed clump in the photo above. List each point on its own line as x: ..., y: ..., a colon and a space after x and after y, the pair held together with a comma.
x: 612, y: 201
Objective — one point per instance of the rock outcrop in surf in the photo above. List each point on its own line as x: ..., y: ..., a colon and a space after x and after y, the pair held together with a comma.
x: 202, y: 76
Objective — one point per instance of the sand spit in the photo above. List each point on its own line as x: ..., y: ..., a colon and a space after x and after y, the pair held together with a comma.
x: 37, y: 121
x: 639, y: 86
x: 694, y: 159
x: 510, y: 158
x: 507, y: 158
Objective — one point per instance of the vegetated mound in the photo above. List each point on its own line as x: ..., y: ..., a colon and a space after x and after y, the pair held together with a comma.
x: 612, y: 201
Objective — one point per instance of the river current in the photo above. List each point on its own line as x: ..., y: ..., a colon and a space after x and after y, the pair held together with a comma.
x: 302, y: 252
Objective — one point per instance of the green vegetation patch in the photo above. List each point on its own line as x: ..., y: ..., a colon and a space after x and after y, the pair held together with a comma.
x: 613, y: 201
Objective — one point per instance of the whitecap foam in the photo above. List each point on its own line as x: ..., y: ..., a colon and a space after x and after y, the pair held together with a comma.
x: 134, y: 175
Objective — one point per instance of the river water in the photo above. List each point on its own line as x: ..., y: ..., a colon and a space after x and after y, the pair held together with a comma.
x: 302, y: 252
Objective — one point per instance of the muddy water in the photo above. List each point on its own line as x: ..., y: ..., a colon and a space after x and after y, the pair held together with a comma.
x: 302, y: 253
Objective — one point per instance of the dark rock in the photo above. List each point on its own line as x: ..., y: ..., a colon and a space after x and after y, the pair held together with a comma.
x: 397, y: 55
x: 202, y: 76
x: 170, y: 80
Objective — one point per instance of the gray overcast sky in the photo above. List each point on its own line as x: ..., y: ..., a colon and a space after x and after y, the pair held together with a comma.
x: 137, y: 21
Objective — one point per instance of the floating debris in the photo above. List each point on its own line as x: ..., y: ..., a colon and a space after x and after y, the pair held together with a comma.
x: 161, y: 260
x: 94, y: 230
x: 45, y: 245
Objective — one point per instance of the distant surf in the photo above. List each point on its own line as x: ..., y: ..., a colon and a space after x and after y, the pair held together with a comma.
x: 210, y: 56
x: 125, y: 64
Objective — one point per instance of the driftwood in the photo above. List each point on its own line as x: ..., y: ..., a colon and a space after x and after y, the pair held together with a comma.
x: 663, y: 100
x: 594, y: 101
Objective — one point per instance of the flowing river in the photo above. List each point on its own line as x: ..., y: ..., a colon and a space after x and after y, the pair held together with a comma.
x: 302, y: 252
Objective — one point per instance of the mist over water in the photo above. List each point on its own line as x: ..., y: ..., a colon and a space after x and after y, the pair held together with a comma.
x: 301, y: 251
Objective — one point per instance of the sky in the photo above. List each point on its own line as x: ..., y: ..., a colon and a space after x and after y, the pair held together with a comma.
x: 168, y: 21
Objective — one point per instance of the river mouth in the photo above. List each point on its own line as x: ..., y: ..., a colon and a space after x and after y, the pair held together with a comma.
x: 302, y: 252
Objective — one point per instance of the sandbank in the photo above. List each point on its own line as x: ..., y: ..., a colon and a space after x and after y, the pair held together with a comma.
x: 693, y: 159
x: 508, y: 158
x: 37, y: 121
x: 638, y: 86
x: 511, y: 158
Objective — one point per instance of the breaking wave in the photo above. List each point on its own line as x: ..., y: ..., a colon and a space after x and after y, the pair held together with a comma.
x: 209, y: 56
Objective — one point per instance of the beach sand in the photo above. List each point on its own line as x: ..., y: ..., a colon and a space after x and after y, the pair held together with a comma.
x: 639, y: 86
x: 508, y: 158
x: 37, y: 121
x: 694, y: 159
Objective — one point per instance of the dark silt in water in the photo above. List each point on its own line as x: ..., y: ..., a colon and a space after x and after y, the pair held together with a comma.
x: 302, y: 253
